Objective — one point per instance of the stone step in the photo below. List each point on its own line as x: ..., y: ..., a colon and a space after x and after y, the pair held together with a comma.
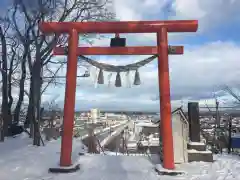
x: 205, y: 156
x: 199, y: 146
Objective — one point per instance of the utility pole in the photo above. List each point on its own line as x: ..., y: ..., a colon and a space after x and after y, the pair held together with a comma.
x: 230, y: 134
x: 217, y: 114
x: 217, y: 120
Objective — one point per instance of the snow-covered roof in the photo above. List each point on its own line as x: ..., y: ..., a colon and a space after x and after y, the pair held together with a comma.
x: 146, y: 124
x: 181, y: 113
x: 177, y: 111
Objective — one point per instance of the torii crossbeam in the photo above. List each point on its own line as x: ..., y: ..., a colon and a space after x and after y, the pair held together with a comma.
x: 161, y: 28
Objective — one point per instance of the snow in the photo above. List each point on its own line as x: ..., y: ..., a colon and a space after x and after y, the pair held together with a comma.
x: 196, y: 151
x: 225, y: 167
x: 109, y: 153
x: 132, y: 137
x: 196, y: 143
x: 12, y: 144
x: 32, y: 163
x: 132, y: 145
x: 146, y: 124
x: 21, y: 161
x: 160, y: 168
x: 150, y: 143
x: 113, y: 135
x: 117, y: 168
x: 105, y: 129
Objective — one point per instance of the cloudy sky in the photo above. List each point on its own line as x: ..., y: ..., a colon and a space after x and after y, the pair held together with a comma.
x: 210, y: 61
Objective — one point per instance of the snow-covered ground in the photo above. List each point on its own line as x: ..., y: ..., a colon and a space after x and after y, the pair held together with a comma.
x: 225, y: 167
x: 21, y: 161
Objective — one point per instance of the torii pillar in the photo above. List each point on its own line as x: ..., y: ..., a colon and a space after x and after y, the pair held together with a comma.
x: 161, y: 28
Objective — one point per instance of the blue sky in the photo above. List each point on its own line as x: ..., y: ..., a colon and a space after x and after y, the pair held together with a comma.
x: 210, y: 61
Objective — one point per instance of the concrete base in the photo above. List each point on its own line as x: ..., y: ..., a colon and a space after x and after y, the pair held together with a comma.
x: 205, y: 156
x: 69, y: 169
x: 161, y: 171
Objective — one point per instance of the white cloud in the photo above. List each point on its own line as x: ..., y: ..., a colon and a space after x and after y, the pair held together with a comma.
x: 135, y: 10
x: 209, y: 13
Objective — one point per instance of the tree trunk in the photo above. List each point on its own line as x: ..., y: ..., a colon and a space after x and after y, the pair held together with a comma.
x: 37, y: 96
x: 4, y: 110
x: 21, y: 89
x: 10, y: 73
x: 37, y: 102
x: 33, y: 114
x: 30, y: 112
x: 1, y: 130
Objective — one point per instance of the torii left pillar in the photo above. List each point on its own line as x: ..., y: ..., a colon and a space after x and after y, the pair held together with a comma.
x: 70, y: 93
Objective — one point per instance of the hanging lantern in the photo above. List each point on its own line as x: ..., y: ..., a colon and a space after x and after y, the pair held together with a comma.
x: 137, y: 80
x: 117, y: 41
x: 118, y: 82
x: 100, y: 77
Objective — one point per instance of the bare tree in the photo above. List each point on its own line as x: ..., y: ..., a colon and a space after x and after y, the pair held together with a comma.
x: 25, y: 42
x: 4, y: 67
x: 41, y: 46
x: 231, y: 92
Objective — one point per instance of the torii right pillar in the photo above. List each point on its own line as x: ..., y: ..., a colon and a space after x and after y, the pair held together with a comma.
x: 165, y: 99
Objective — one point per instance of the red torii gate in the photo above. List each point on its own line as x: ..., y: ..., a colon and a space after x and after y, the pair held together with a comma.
x: 161, y: 28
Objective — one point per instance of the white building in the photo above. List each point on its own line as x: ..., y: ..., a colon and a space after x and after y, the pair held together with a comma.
x: 180, y: 130
x: 94, y: 115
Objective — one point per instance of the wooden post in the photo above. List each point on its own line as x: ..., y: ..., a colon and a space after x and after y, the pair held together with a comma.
x: 165, y: 102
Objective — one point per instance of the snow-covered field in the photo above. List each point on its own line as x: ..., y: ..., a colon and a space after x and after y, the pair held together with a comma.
x: 21, y: 161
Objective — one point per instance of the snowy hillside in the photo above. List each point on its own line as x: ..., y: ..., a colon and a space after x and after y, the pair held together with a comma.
x: 21, y: 161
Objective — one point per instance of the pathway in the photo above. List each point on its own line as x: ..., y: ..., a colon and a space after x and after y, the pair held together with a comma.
x: 116, y: 168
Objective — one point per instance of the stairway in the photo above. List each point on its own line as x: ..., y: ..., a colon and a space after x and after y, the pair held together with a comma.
x: 197, y: 152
